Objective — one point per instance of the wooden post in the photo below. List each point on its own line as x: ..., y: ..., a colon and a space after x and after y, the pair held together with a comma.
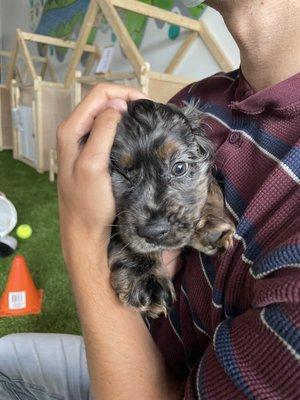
x: 38, y: 123
x: 144, y: 79
x: 87, y: 25
x: 15, y: 101
x: 69, y: 44
x: 123, y: 36
x: 77, y: 89
x: 215, y: 49
x: 26, y: 54
x: 53, y: 165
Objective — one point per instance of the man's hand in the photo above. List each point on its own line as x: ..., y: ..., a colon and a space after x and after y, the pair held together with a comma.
x: 84, y: 185
x: 123, y: 360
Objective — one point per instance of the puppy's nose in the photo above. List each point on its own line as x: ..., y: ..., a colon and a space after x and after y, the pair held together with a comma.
x: 155, y: 230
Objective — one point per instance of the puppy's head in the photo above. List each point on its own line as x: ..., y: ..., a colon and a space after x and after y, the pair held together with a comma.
x: 160, y: 165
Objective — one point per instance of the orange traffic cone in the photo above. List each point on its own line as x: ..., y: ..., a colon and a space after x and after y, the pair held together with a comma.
x: 20, y: 296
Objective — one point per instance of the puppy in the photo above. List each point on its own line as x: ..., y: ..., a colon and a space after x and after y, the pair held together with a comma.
x: 166, y: 198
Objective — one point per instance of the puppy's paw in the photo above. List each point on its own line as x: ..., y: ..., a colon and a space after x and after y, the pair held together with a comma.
x: 150, y: 294
x: 155, y: 296
x: 222, y: 239
x: 213, y: 239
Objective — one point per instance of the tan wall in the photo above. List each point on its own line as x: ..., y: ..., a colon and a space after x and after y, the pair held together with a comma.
x: 56, y: 106
x: 5, y: 119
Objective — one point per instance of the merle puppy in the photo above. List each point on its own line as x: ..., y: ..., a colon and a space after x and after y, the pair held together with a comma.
x: 166, y: 198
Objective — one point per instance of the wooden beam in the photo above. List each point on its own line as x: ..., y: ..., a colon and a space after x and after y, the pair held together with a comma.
x: 158, y: 13
x: 57, y: 85
x: 108, y: 76
x: 215, y: 49
x: 26, y: 54
x: 123, y: 36
x: 87, y: 26
x: 34, y: 37
x: 183, y: 49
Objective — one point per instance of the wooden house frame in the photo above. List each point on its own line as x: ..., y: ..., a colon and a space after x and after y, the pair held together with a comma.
x: 38, y: 107
x: 6, y: 141
x: 159, y: 86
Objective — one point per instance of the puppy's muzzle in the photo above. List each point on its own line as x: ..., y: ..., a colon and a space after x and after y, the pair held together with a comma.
x: 154, y: 231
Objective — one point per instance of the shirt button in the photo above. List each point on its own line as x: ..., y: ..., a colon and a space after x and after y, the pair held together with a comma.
x: 234, y: 137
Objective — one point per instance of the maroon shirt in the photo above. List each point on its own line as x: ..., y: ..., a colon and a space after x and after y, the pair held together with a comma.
x: 234, y: 331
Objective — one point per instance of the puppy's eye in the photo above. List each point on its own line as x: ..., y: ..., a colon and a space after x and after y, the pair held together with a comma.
x: 180, y: 168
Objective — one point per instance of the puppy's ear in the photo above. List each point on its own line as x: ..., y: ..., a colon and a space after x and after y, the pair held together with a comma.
x: 195, y: 119
x: 141, y: 112
x: 193, y: 114
x: 138, y: 107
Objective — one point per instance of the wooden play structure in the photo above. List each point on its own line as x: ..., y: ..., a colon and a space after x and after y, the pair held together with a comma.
x: 39, y: 102
x: 159, y: 86
x: 6, y: 140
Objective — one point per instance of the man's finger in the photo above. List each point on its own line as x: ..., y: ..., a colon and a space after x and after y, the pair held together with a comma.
x: 98, y: 146
x: 82, y: 118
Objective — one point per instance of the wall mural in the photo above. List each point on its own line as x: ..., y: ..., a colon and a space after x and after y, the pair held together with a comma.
x: 63, y: 19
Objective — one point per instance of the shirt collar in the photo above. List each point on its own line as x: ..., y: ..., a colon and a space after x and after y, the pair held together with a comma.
x: 280, y: 97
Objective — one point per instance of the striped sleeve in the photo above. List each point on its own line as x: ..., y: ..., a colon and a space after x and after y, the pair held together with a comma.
x: 253, y: 356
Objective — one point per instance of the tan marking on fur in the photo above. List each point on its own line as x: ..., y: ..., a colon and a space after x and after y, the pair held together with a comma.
x: 166, y: 149
x: 126, y: 161
x: 213, y: 222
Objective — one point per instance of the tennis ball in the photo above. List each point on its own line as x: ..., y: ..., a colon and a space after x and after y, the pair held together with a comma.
x: 24, y: 231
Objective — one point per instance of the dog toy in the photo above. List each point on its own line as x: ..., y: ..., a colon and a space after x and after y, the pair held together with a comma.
x: 24, y: 231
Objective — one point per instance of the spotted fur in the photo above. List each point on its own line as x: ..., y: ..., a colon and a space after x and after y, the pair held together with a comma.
x: 156, y: 208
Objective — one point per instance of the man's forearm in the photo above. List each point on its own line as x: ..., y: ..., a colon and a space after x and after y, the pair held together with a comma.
x: 124, y: 362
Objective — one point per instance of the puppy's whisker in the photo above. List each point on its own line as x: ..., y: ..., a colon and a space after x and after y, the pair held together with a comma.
x: 112, y: 236
x: 124, y: 247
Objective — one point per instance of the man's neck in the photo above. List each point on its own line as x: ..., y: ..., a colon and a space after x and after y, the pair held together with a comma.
x: 268, y: 35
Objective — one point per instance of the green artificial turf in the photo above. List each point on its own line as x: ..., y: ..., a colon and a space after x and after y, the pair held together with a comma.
x: 35, y: 199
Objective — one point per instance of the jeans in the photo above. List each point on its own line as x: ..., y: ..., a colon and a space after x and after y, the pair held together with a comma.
x: 43, y: 367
